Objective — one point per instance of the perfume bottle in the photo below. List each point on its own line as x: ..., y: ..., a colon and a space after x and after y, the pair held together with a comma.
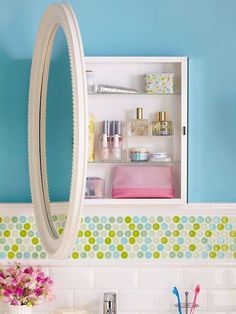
x: 116, y: 140
x: 104, y: 141
x: 162, y: 127
x: 139, y: 126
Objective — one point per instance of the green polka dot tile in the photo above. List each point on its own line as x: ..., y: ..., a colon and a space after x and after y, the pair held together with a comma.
x: 128, y: 237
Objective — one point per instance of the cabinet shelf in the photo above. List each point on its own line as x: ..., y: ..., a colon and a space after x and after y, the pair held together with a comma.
x: 152, y: 163
x: 131, y: 202
x: 150, y: 136
x: 133, y: 94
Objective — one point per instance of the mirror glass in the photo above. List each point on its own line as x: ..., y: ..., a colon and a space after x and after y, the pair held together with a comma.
x: 59, y: 128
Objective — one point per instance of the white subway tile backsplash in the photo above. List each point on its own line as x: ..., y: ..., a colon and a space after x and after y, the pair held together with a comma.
x: 63, y: 299
x: 197, y: 311
x: 210, y: 312
x: 151, y: 278
x: 90, y: 300
x: 140, y: 289
x: 120, y: 312
x: 149, y: 312
x: 222, y: 299
x: 232, y: 277
x: 207, y: 277
x: 33, y: 311
x: 140, y: 300
x: 129, y: 312
x: 72, y: 277
x: 114, y: 278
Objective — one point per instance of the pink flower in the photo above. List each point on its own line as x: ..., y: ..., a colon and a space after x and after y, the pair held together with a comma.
x: 19, y: 291
x: 28, y: 270
x: 38, y: 291
x: 25, y: 285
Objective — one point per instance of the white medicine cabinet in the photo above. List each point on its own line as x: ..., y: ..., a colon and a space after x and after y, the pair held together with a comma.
x: 125, y: 72
x: 129, y: 72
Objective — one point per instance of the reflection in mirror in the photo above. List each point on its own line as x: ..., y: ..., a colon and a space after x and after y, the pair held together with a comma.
x: 59, y: 127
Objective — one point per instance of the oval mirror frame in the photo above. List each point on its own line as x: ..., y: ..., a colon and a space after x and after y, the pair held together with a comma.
x: 57, y: 15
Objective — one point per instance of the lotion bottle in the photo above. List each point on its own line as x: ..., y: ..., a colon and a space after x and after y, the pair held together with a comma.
x: 116, y: 143
x: 104, y: 141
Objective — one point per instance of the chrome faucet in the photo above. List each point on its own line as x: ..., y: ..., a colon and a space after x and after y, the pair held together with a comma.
x: 109, y: 304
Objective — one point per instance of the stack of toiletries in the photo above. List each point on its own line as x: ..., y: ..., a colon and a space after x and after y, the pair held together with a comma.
x: 141, y: 154
x: 142, y: 127
x: 110, y: 138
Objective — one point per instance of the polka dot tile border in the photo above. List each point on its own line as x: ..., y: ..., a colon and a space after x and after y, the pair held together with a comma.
x: 128, y: 237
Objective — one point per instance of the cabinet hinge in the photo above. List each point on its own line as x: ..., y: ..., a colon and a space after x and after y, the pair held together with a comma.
x: 184, y: 130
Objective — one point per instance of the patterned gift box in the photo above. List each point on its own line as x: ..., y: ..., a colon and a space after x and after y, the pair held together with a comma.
x: 160, y: 83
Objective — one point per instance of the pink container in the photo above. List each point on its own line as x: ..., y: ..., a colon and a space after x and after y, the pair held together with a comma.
x: 143, y: 182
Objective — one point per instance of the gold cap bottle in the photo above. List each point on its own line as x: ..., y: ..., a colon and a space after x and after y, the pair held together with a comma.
x: 139, y: 126
x: 139, y: 113
x: 162, y: 127
x: 162, y: 116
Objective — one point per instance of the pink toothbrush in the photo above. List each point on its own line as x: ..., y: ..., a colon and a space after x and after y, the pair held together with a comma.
x: 197, y: 290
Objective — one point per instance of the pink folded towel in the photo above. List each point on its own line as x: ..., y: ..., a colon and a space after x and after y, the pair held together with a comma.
x: 143, y: 182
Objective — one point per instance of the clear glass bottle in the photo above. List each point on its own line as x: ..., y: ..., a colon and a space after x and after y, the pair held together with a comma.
x: 139, y: 126
x: 162, y: 127
x: 91, y: 82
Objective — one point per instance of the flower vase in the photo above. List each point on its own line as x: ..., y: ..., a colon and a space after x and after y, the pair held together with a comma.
x: 20, y: 309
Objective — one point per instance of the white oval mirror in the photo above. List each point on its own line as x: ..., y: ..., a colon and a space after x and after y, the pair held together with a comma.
x: 58, y: 22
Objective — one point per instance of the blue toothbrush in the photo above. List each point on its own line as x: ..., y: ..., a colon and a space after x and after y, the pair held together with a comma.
x: 176, y: 292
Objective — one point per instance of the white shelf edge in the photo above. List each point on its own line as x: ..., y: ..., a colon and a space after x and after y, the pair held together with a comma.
x: 131, y: 94
x: 149, y: 163
x: 131, y: 202
x: 133, y: 59
x: 135, y: 207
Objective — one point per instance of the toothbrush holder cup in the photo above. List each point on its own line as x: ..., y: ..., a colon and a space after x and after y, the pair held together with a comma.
x: 187, y: 306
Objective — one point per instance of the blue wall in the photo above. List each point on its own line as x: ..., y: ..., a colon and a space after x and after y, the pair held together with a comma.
x: 203, y: 30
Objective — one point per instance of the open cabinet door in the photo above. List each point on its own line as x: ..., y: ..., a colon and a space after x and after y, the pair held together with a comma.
x: 59, y: 15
